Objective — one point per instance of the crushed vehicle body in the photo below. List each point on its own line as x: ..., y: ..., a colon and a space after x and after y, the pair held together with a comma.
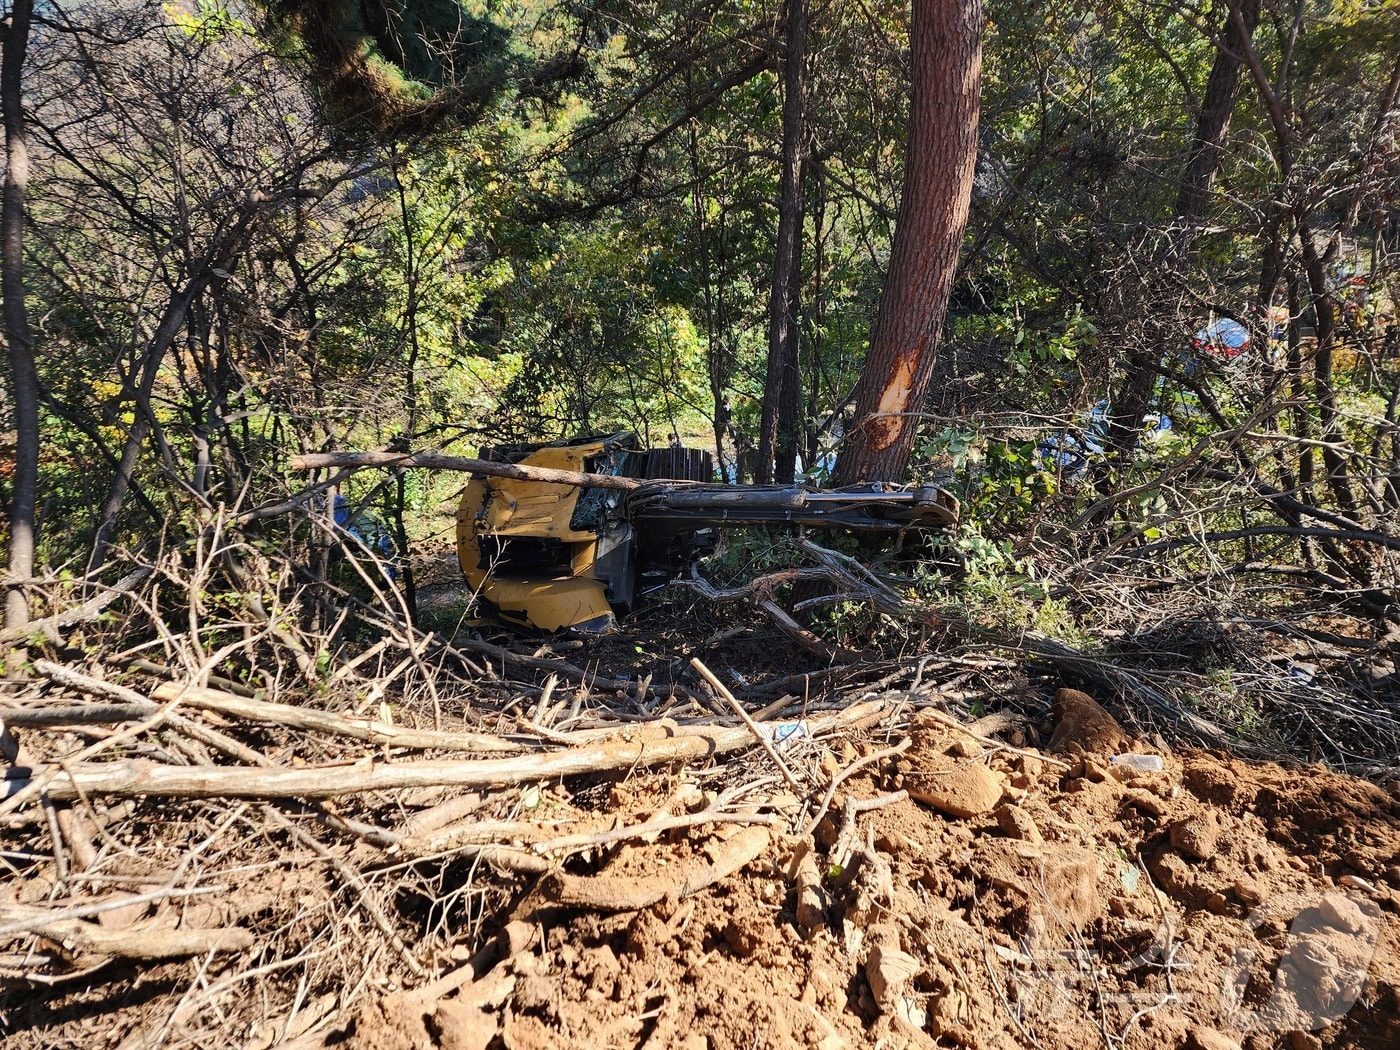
x: 560, y: 556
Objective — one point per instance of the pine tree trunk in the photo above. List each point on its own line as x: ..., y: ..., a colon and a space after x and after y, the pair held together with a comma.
x: 777, y: 438
x: 946, y: 62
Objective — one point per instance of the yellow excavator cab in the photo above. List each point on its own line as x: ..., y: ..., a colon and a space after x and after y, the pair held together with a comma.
x: 525, y: 548
x: 555, y: 556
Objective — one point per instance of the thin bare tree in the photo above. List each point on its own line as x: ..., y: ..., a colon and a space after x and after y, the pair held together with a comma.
x: 24, y: 382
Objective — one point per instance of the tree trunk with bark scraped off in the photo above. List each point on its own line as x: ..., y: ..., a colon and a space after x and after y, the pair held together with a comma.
x: 946, y: 64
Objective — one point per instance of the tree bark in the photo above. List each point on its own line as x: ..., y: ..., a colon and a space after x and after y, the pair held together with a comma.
x: 170, y: 324
x: 946, y: 60
x: 1213, y: 122
x: 777, y: 439
x: 24, y: 380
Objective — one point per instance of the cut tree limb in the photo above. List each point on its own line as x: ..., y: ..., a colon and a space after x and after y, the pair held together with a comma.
x: 87, y: 611
x: 325, y: 722
x: 439, y: 461
x: 127, y: 778
x: 85, y: 938
x: 630, y: 893
x: 765, y: 741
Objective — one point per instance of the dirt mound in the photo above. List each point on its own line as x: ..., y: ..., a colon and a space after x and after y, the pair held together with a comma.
x: 1042, y: 901
x: 898, y: 879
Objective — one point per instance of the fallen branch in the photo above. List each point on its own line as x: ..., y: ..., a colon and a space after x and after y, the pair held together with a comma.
x: 131, y: 698
x: 440, y: 461
x: 631, y: 893
x: 531, y: 838
x: 85, y: 938
x: 805, y: 638
x: 73, y: 714
x: 309, y: 718
x: 87, y: 611
x: 128, y: 778
x: 758, y: 734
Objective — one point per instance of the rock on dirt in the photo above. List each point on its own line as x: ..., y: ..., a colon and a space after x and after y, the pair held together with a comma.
x: 968, y: 790
x: 1082, y: 724
x: 979, y: 922
x: 1208, y: 1039
x: 1197, y: 835
x: 1016, y: 823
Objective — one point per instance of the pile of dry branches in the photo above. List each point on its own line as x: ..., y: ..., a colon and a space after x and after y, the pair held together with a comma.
x: 265, y: 809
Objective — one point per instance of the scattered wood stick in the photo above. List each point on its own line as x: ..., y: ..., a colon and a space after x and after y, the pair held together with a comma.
x: 806, y: 876
x: 513, y: 833
x: 228, y: 685
x: 26, y: 918
x: 356, y: 881
x: 836, y: 781
x: 759, y: 735
x: 805, y: 638
x: 444, y: 813
x: 652, y: 827
x: 554, y: 665
x: 368, y: 730
x: 632, y: 893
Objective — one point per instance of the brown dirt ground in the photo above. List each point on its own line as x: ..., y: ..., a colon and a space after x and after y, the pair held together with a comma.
x: 1216, y: 903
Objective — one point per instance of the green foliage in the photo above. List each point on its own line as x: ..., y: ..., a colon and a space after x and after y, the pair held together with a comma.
x: 597, y: 349
x: 208, y: 21
x: 527, y: 221
x: 1000, y: 482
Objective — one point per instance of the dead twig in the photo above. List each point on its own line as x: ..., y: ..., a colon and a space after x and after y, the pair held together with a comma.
x: 759, y: 735
x: 839, y: 778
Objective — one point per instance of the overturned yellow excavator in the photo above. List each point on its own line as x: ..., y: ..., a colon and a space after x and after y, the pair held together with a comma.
x: 564, y: 556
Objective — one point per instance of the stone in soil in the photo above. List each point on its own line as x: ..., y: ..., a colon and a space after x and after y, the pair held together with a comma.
x: 1082, y: 724
x: 963, y: 791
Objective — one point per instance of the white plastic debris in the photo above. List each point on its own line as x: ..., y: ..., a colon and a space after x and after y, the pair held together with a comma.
x: 784, y: 734
x: 1145, y: 763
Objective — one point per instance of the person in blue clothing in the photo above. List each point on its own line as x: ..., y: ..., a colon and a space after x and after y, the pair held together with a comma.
x: 370, y: 529
x: 1071, y: 451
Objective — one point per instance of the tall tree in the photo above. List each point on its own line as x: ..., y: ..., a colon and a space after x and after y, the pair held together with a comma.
x: 24, y: 390
x: 946, y: 68
x: 777, y: 438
